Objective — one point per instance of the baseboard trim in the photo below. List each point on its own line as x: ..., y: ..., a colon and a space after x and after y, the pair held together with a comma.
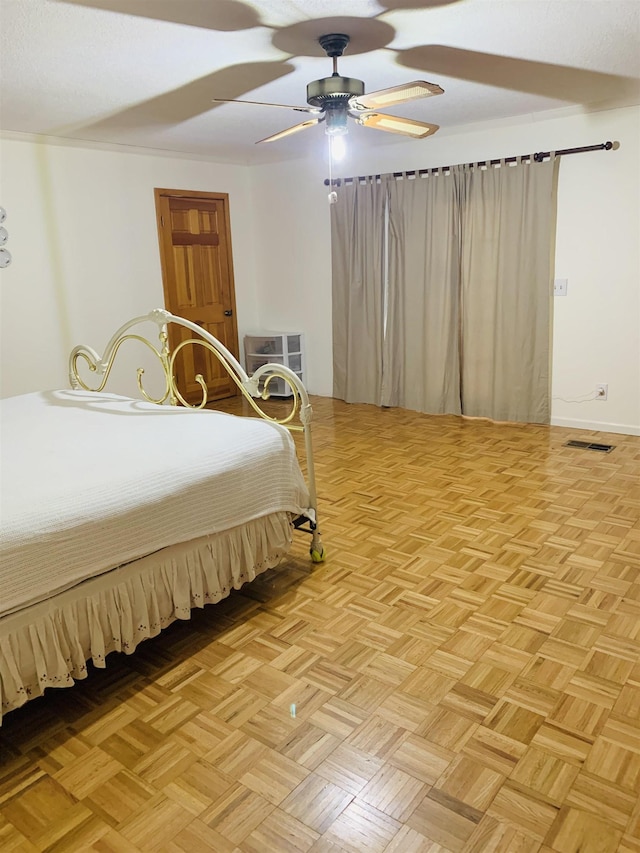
x: 574, y: 423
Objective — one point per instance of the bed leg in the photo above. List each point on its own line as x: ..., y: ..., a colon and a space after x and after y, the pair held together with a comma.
x: 316, y: 550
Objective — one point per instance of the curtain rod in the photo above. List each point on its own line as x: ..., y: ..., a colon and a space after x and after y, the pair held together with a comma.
x: 537, y: 157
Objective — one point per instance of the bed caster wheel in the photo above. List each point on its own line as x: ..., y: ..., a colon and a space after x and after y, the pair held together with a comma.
x: 317, y: 555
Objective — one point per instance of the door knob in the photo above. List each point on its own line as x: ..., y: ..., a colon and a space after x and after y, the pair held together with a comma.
x: 228, y: 313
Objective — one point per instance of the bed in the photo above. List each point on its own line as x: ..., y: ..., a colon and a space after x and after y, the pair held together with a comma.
x: 120, y: 515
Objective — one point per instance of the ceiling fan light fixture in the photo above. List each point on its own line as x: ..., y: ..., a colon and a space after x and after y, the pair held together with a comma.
x: 336, y: 120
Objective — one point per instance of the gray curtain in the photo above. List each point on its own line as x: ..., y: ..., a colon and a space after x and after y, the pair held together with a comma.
x: 358, y: 270
x: 422, y: 340
x: 508, y: 227
x: 463, y: 323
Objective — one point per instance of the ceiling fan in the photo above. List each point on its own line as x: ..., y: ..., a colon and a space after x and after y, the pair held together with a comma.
x: 334, y: 99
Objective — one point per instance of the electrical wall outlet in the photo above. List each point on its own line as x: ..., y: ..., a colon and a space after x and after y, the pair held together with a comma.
x: 601, y: 392
x: 560, y: 287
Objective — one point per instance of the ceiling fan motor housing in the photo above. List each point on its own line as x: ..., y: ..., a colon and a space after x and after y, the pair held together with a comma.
x: 333, y: 88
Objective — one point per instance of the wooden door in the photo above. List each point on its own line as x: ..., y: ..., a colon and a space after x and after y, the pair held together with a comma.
x: 197, y: 276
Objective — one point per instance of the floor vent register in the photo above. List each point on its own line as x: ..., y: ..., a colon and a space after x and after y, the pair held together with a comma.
x: 591, y: 445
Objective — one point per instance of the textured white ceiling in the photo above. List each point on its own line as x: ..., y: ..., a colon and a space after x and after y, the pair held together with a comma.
x: 143, y: 72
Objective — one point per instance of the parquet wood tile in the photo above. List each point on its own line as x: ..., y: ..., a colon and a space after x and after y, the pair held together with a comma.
x: 546, y: 774
x: 461, y: 676
x: 491, y: 836
x: 444, y: 820
x: 317, y: 802
x: 602, y: 797
x: 279, y: 831
x: 575, y: 831
x: 524, y: 809
x: 494, y: 751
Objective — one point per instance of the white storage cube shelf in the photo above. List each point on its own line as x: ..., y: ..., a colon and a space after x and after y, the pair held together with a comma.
x: 275, y: 347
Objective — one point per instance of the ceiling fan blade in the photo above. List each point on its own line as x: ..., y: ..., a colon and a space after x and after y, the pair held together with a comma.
x: 223, y: 15
x: 313, y: 110
x: 384, y: 98
x: 311, y: 122
x: 395, y: 124
x: 575, y: 85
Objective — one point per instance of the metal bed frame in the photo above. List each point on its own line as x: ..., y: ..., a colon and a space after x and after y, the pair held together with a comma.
x: 256, y: 386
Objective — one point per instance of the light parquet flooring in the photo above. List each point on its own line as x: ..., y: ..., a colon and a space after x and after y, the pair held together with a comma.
x: 462, y: 674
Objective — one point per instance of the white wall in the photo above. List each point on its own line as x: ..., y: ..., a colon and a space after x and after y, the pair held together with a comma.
x: 82, y: 233
x: 596, y: 335
x: 293, y: 260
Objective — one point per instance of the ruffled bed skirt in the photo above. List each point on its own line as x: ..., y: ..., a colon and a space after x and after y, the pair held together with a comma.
x: 48, y: 644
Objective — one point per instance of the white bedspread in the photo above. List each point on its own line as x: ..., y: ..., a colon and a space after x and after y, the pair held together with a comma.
x: 92, y: 481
